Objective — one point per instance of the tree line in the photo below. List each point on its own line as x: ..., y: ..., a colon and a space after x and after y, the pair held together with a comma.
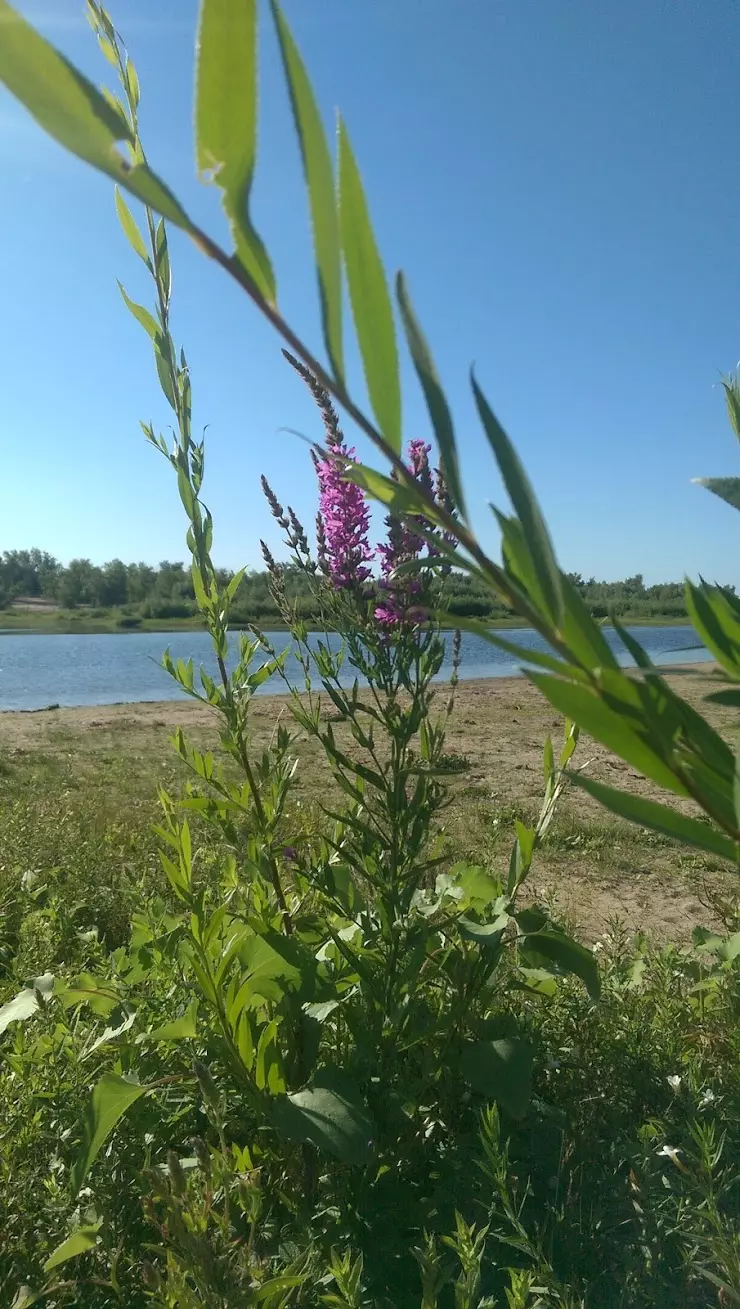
x: 166, y: 590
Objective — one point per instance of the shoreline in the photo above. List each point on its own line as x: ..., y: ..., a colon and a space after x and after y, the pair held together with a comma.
x: 23, y: 623
x: 143, y: 708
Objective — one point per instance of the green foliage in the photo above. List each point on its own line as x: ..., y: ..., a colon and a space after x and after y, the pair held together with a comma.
x: 361, y: 1084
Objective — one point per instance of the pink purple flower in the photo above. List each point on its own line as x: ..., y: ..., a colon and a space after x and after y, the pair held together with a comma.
x: 345, y: 517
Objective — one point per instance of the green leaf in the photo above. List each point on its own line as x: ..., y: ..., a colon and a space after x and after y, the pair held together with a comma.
x: 111, y: 1034
x: 270, y: 973
x: 581, y: 634
x: 523, y: 499
x: 84, y: 1239
x: 329, y: 1113
x: 660, y: 818
x: 727, y: 488
x: 128, y: 223
x: 75, y: 113
x: 26, y: 1002
x: 110, y: 1099
x: 226, y: 123
x: 479, y: 887
x: 368, y: 293
x: 717, y: 624
x: 434, y: 395
x: 319, y: 173
x: 486, y: 935
x: 640, y: 656
x: 399, y: 498
x: 500, y: 1070
x: 608, y: 725
x: 142, y: 315
x: 180, y: 1029
x: 569, y: 955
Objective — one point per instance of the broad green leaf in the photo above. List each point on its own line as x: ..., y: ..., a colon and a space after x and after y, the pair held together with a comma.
x: 110, y: 1099
x: 142, y: 315
x: 84, y: 1239
x: 434, y: 395
x: 486, y: 935
x: 368, y: 292
x: 331, y: 1114
x: 270, y: 973
x: 317, y: 166
x: 537, y: 980
x: 26, y: 1002
x: 226, y: 123
x: 727, y: 488
x: 479, y: 887
x: 523, y: 499
x: 180, y: 1029
x: 500, y: 1070
x: 569, y: 955
x: 660, y: 818
x: 75, y: 112
x: 128, y: 223
x: 608, y: 725
x: 729, y: 949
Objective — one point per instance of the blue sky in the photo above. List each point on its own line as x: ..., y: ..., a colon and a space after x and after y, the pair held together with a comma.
x: 559, y: 183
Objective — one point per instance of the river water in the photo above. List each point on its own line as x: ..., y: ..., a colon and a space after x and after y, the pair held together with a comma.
x: 39, y: 670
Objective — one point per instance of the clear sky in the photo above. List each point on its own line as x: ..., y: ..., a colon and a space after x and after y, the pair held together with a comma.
x: 559, y: 180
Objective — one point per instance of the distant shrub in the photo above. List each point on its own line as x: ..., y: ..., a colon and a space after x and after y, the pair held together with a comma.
x: 167, y: 609
x: 129, y: 621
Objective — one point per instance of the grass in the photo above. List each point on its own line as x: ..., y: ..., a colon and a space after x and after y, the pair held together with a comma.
x: 79, y: 801
x: 654, y: 1067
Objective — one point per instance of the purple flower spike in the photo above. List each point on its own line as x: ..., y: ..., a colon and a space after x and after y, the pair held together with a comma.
x: 346, y: 519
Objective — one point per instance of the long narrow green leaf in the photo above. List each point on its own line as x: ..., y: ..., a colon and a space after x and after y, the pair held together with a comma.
x: 659, y: 818
x: 110, y: 1099
x: 368, y: 292
x: 84, y: 1239
x: 75, y: 112
x: 633, y: 647
x: 520, y: 653
x: 523, y: 499
x: 716, y: 623
x: 610, y: 726
x: 128, y: 223
x: 226, y: 123
x: 319, y: 173
x: 434, y: 395
x: 142, y: 315
x: 727, y: 488
x: 582, y: 635
x: 399, y: 498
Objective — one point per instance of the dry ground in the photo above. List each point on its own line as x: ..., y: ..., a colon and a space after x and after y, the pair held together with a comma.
x: 593, y: 869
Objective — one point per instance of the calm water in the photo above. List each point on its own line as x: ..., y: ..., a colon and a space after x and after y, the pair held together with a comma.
x: 37, y: 670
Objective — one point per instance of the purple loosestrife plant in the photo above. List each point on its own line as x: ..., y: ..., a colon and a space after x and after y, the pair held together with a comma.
x: 405, y: 594
x: 345, y: 517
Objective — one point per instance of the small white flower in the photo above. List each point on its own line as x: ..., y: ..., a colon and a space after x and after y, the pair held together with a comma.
x: 674, y: 1082
x: 597, y: 945
x: 708, y: 1097
x: 671, y: 1152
